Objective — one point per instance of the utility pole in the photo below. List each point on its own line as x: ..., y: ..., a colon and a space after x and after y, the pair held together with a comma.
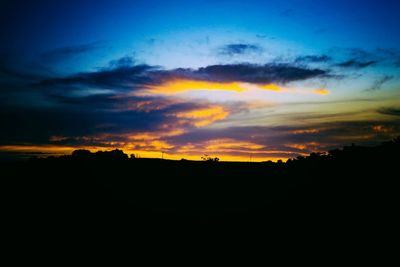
x: 162, y: 154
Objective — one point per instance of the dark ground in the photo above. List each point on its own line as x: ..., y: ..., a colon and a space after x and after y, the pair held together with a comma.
x: 352, y: 191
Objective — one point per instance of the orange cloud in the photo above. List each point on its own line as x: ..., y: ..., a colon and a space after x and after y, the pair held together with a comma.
x: 230, y: 145
x: 204, y: 116
x: 283, y: 89
x: 153, y: 145
x: 272, y: 87
x: 184, y: 85
x: 312, y: 146
x: 306, y: 131
x: 224, y: 146
x: 145, y: 136
x: 180, y: 86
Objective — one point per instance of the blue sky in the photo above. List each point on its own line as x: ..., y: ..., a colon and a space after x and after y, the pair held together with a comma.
x: 207, y: 69
x: 132, y: 26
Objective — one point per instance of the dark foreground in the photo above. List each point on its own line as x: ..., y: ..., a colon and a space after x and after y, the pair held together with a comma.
x: 353, y: 190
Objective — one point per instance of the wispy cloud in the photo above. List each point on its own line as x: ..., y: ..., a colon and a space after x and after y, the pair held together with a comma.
x: 358, y: 58
x: 356, y: 64
x: 313, y: 59
x: 239, y: 49
x: 380, y: 82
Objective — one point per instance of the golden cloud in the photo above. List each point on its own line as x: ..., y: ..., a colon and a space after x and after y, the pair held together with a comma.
x: 203, y: 116
x: 177, y: 86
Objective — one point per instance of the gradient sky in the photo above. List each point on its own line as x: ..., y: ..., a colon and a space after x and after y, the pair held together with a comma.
x: 239, y: 80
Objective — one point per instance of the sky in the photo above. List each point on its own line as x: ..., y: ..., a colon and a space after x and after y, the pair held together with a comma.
x: 238, y: 80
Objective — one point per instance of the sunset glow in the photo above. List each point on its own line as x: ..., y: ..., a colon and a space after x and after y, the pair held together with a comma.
x: 179, y: 86
x: 180, y: 79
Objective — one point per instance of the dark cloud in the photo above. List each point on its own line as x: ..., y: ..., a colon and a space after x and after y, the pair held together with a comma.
x: 239, y: 49
x: 380, y: 82
x: 40, y: 124
x: 134, y: 76
x: 80, y: 119
x: 356, y: 64
x: 69, y: 51
x: 391, y: 55
x: 388, y: 56
x: 394, y: 111
x: 9, y: 74
x: 268, y: 73
x: 121, y: 77
x: 12, y: 72
x: 313, y: 59
x: 359, y: 53
x: 93, y: 102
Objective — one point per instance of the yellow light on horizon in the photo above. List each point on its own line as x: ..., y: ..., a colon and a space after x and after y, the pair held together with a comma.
x: 152, y: 151
x: 180, y: 86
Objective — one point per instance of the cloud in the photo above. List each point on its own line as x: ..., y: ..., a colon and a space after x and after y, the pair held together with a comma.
x: 239, y: 49
x: 260, y: 74
x: 380, y: 82
x: 393, y: 111
x: 136, y: 77
x: 123, y: 62
x: 69, y: 51
x: 13, y: 73
x: 203, y: 116
x: 69, y: 119
x: 121, y: 77
x: 179, y: 86
x: 40, y: 124
x: 148, y: 125
x: 313, y: 59
x: 290, y: 141
x: 358, y: 58
x: 117, y: 113
x: 356, y: 64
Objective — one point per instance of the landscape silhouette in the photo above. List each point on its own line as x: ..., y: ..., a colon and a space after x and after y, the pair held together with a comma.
x: 350, y: 188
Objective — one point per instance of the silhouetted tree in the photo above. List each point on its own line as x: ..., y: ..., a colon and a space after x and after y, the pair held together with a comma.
x: 209, y: 159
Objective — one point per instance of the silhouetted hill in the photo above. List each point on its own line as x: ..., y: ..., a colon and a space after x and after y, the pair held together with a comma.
x: 349, y: 189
